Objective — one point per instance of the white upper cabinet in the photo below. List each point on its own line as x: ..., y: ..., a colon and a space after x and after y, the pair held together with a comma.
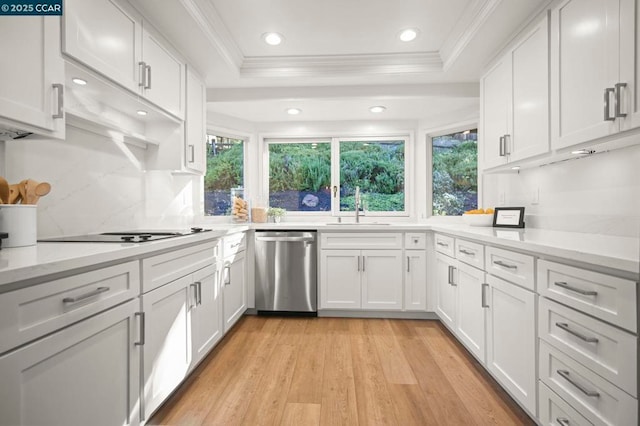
x: 515, y: 102
x: 593, y: 74
x: 109, y: 37
x: 195, y: 126
x: 32, y: 74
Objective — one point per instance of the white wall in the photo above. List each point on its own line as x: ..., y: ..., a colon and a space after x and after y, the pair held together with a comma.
x: 99, y: 184
x: 594, y: 194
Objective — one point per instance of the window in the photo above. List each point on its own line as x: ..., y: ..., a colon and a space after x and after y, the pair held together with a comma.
x: 225, y: 171
x: 455, y: 173
x: 377, y: 167
x: 322, y: 175
x: 300, y: 176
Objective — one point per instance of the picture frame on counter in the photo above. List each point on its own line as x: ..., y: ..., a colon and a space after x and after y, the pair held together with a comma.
x: 508, y: 217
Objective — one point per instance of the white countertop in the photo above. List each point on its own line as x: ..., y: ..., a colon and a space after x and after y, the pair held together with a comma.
x: 27, y: 263
x: 47, y: 258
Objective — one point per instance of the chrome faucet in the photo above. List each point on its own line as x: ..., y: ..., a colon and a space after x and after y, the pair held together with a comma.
x: 357, y: 204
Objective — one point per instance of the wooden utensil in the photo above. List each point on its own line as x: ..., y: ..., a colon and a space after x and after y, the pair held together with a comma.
x: 4, y: 191
x: 34, y: 190
x: 22, y: 188
x: 14, y: 193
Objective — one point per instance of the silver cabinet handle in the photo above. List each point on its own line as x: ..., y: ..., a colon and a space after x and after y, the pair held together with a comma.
x: 565, y: 375
x: 507, y: 138
x: 60, y: 89
x: 195, y: 294
x: 619, y: 114
x: 562, y: 421
x: 575, y: 289
x: 148, y: 79
x: 93, y: 293
x: 467, y: 252
x: 565, y: 327
x: 501, y: 147
x: 143, y: 74
x: 505, y: 265
x: 199, y: 294
x: 363, y: 257
x: 142, y: 328
x: 192, y: 153
x: 227, y: 275
x: 408, y: 264
x: 484, y: 296
x: 450, y: 278
x: 607, y: 106
x: 358, y: 263
x: 442, y: 244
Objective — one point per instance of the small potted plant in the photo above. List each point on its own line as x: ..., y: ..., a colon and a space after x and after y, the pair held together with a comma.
x: 276, y: 213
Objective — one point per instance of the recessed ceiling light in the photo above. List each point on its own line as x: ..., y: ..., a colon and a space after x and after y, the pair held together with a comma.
x: 515, y: 168
x: 272, y: 39
x: 79, y: 81
x: 583, y: 152
x: 409, y: 34
x: 293, y: 111
x: 377, y: 109
x: 141, y: 112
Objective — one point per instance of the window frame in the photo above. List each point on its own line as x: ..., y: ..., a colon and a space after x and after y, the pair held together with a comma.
x: 461, y: 127
x: 401, y: 135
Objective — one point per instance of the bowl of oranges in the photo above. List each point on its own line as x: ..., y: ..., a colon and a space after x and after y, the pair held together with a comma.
x: 478, y: 217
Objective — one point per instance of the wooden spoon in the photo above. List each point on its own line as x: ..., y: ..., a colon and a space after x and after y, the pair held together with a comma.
x: 34, y: 190
x: 4, y: 191
x: 14, y: 193
x: 22, y: 188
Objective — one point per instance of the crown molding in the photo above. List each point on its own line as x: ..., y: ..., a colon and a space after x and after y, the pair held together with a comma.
x: 465, y: 30
x: 207, y: 18
x: 340, y: 65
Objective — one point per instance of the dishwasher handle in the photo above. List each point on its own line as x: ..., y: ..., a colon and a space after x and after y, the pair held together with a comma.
x: 287, y: 239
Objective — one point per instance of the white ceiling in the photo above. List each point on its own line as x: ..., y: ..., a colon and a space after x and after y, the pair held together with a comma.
x: 340, y: 56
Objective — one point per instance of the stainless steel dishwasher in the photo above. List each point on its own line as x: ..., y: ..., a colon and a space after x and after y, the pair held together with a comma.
x: 286, y: 272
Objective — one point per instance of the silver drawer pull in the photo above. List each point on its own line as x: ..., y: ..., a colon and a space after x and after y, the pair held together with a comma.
x: 484, y: 303
x: 562, y: 421
x: 143, y: 336
x: 470, y: 253
x: 93, y: 293
x: 565, y: 327
x: 505, y: 265
x: 442, y: 244
x: 575, y: 289
x: 565, y: 375
x: 450, y: 275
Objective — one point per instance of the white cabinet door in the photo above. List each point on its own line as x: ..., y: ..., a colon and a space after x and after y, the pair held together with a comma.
x: 530, y: 103
x: 381, y: 279
x: 415, y: 281
x: 446, y: 290
x: 30, y: 66
x: 584, y: 63
x: 86, y: 374
x: 107, y: 36
x: 164, y: 76
x: 340, y: 279
x: 470, y: 319
x: 206, y: 319
x: 495, y: 88
x: 511, y: 339
x: 630, y: 63
x: 195, y: 126
x: 167, y: 340
x: 234, y: 292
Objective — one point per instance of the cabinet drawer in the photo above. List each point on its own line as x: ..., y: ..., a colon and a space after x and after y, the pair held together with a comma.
x: 357, y: 240
x: 606, y: 297
x: 415, y: 241
x: 610, y: 352
x: 470, y: 253
x: 445, y: 245
x: 514, y: 267
x: 234, y: 244
x: 34, y: 311
x: 554, y: 411
x: 595, y: 398
x: 164, y: 268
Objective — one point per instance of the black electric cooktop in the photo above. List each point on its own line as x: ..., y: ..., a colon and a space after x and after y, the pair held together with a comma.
x: 138, y: 236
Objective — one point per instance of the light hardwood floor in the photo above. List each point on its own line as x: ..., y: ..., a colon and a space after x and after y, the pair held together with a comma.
x: 339, y: 371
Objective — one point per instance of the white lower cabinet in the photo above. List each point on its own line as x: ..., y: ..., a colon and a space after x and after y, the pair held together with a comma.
x: 85, y: 374
x: 511, y: 339
x: 361, y: 279
x: 470, y: 319
x: 234, y: 289
x: 206, y: 316
x: 415, y: 281
x: 446, y: 290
